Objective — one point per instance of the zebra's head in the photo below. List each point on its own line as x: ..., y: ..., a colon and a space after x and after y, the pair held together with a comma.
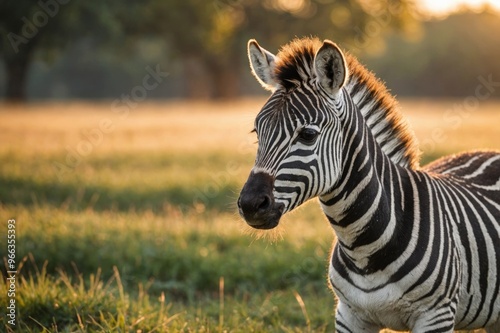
x: 298, y: 129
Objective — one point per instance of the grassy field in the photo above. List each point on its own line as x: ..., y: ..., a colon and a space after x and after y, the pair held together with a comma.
x: 126, y: 222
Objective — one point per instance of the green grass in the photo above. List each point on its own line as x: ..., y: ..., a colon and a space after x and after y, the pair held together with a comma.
x: 142, y: 234
x: 182, y: 256
x: 61, y: 303
x: 123, y: 181
x: 137, y: 218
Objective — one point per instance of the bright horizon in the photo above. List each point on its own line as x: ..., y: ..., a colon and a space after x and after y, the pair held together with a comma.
x: 443, y: 7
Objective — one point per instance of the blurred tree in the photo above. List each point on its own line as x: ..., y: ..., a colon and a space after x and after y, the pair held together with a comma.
x: 41, y: 29
x: 448, y: 60
x: 209, y: 36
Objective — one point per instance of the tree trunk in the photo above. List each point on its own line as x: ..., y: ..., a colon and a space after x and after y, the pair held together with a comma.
x: 226, y: 80
x: 211, y: 78
x: 17, y: 70
x: 198, y: 85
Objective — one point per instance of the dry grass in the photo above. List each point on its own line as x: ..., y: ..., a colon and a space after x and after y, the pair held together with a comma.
x: 176, y: 127
x: 164, y: 127
x: 448, y: 126
x: 210, y: 129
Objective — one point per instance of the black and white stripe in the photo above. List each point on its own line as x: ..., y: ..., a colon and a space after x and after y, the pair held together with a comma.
x: 417, y: 249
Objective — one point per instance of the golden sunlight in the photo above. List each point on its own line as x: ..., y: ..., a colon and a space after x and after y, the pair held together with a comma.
x: 292, y: 6
x: 443, y: 7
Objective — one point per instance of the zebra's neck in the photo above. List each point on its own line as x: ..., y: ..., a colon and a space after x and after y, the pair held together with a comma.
x: 295, y: 63
x: 383, y: 116
x: 364, y: 206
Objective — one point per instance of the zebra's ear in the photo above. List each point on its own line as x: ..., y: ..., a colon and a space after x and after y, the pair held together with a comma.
x: 262, y: 63
x: 330, y: 67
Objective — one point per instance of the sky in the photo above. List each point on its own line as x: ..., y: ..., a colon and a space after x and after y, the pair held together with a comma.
x: 442, y: 7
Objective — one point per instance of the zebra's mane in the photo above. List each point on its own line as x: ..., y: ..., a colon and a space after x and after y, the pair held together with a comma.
x: 294, y: 64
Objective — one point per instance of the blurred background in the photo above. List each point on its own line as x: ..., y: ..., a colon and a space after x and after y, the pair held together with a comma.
x: 97, y: 50
x: 125, y: 140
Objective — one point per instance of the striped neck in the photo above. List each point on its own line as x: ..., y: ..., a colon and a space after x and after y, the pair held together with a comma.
x: 382, y: 115
x: 362, y: 207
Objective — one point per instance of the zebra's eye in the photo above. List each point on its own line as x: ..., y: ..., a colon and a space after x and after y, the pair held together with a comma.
x: 308, y: 135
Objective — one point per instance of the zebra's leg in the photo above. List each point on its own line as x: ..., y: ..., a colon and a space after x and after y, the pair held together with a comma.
x: 441, y: 320
x: 347, y: 321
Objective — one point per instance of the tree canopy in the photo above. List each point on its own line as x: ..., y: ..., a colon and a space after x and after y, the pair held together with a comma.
x: 447, y: 60
x: 99, y: 49
x: 44, y: 28
x: 206, y: 37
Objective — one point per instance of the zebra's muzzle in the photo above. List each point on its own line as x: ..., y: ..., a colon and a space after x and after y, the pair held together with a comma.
x: 256, y: 202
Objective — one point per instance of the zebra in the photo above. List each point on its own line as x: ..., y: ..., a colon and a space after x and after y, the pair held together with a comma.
x: 417, y: 248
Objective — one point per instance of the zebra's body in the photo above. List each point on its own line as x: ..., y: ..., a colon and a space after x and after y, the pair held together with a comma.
x: 407, y: 257
x: 416, y: 248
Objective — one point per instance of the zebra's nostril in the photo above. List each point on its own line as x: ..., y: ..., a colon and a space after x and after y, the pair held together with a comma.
x: 265, y: 203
